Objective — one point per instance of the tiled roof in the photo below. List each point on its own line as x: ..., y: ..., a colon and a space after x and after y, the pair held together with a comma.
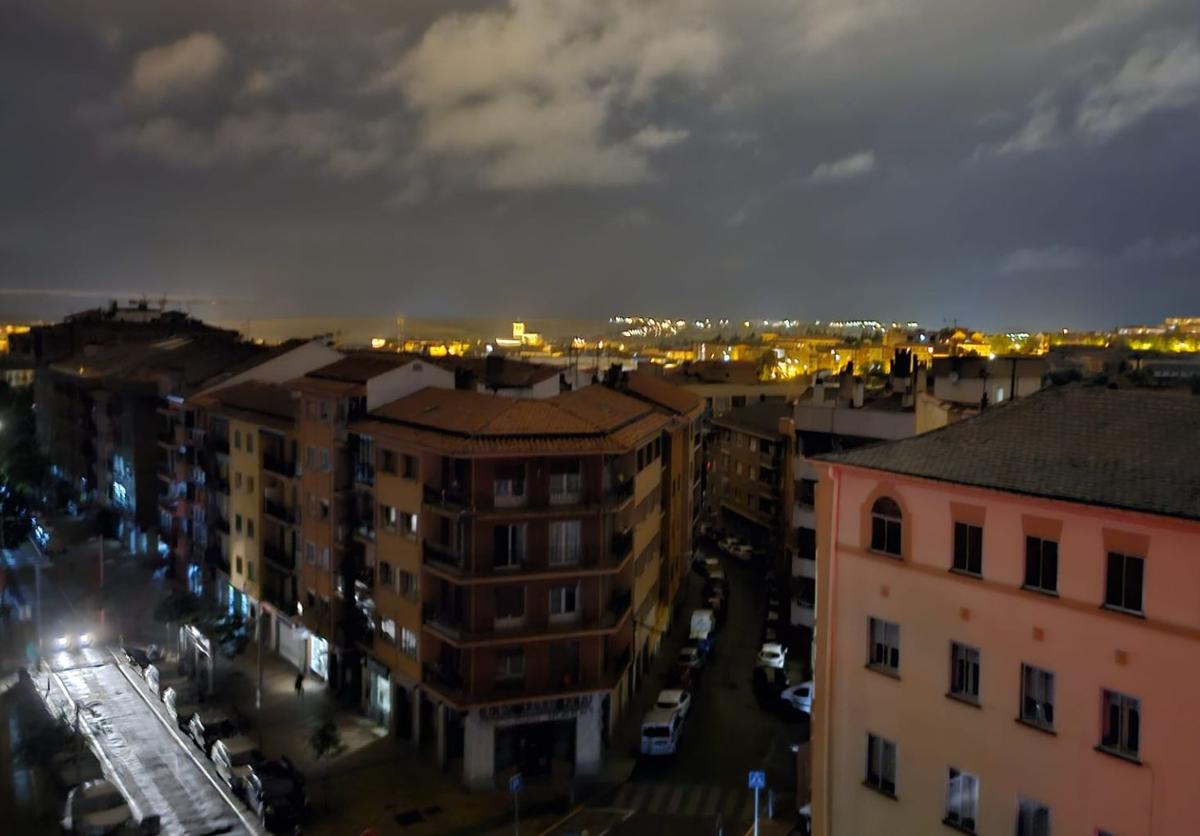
x: 505, y: 374
x: 669, y: 396
x: 761, y: 419
x: 361, y: 366
x: 741, y: 372
x: 253, y: 398
x: 1134, y: 449
x: 593, y: 419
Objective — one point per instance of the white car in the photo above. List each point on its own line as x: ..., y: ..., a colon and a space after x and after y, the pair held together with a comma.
x: 742, y: 551
x: 674, y: 699
x: 772, y: 655
x: 234, y: 758
x: 799, y: 696
x: 96, y: 808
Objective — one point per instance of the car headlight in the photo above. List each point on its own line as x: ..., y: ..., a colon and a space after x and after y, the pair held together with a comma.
x: 62, y: 642
x: 85, y: 640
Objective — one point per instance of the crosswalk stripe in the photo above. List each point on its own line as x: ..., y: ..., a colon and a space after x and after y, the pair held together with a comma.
x: 657, y: 796
x: 712, y: 800
x: 695, y: 795
x: 732, y: 801
x: 676, y: 798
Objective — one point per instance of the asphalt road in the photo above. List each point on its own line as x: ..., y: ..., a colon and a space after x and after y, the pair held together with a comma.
x: 727, y: 733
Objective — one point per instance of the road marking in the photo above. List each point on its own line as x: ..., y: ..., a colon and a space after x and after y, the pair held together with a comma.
x: 676, y: 798
x: 657, y: 796
x: 732, y: 800
x: 695, y: 797
x: 713, y: 801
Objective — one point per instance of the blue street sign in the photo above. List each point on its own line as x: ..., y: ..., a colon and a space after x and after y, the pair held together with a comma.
x: 515, y: 783
x: 758, y: 780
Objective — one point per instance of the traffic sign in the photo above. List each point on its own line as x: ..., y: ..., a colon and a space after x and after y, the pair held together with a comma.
x: 515, y: 783
x: 757, y: 780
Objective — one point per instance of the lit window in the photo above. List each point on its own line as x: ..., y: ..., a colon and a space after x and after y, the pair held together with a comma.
x: 563, y: 602
x: 388, y: 627
x: 408, y: 642
x: 962, y: 799
x: 565, y: 542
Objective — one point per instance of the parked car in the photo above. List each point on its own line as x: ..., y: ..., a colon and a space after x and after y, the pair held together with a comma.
x: 769, y: 684
x: 772, y: 655
x: 690, y: 657
x: 683, y: 677
x: 274, y: 791
x: 727, y: 544
x: 159, y: 682
x: 96, y: 808
x: 716, y: 585
x: 775, y: 635
x: 207, y: 726
x: 234, y: 758
x: 799, y: 696
x: 674, y: 699
x: 704, y: 564
x: 660, y: 732
x: 716, y: 603
x: 141, y: 657
x: 181, y: 703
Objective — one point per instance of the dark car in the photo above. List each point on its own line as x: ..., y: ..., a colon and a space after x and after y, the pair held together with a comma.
x: 140, y: 657
x: 768, y: 685
x: 716, y: 586
x: 274, y: 791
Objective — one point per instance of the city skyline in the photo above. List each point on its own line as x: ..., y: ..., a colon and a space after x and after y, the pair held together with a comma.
x: 489, y: 160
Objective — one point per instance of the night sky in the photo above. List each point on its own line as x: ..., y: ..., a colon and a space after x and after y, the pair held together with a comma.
x: 1008, y: 163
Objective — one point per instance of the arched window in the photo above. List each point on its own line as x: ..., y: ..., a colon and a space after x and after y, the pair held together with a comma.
x: 886, y: 522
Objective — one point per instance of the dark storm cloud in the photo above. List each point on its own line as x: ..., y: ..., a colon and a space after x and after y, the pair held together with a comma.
x: 1020, y: 164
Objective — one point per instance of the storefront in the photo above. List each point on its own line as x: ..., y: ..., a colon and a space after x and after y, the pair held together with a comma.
x: 292, y: 641
x: 379, y: 693
x: 318, y: 656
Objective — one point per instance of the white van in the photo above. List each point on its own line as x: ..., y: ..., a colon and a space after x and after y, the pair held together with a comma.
x: 660, y: 732
x: 234, y: 758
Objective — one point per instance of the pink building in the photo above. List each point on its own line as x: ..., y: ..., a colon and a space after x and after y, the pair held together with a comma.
x: 1009, y: 624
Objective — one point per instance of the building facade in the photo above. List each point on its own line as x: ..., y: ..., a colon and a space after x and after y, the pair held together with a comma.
x: 1004, y: 606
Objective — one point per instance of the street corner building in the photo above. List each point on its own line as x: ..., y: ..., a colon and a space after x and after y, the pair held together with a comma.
x: 1009, y: 621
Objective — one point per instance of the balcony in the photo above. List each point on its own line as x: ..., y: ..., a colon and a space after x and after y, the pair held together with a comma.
x: 364, y: 473
x: 622, y: 545
x: 452, y: 627
x: 442, y: 555
x: 442, y: 618
x: 279, y: 555
x: 450, y: 499
x: 219, y: 523
x: 217, y: 444
x: 279, y: 466
x: 279, y: 511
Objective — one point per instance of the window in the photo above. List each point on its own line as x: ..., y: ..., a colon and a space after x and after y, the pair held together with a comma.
x: 753, y: 442
x: 968, y: 548
x: 510, y: 605
x: 509, y: 485
x: 250, y: 570
x: 237, y: 439
x: 409, y: 585
x: 962, y: 799
x: 237, y: 562
x: 310, y: 457
x: 237, y: 479
x: 1037, y: 697
x: 964, y: 672
x: 408, y: 524
x: 387, y: 515
x: 325, y: 558
x: 409, y: 469
x: 886, y: 526
x: 323, y: 410
x: 387, y: 626
x: 325, y: 459
x: 510, y: 664
x: 237, y: 523
x: 563, y: 603
x: 249, y: 442
x: 250, y: 529
x: 565, y: 543
x: 884, y: 650
x: 1033, y: 818
x: 1123, y: 590
x: 385, y: 574
x: 323, y: 509
x: 565, y: 482
x: 509, y: 546
x: 249, y: 479
x: 1121, y: 724
x: 310, y: 553
x: 1041, y: 564
x: 408, y: 642
x: 387, y: 461
x: 881, y: 764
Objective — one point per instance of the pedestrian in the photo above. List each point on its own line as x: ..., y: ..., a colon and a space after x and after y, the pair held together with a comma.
x: 300, y: 685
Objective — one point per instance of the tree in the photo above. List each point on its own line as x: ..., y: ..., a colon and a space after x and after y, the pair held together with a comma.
x: 326, y: 743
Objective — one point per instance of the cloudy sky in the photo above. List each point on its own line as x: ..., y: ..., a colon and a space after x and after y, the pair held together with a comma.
x: 1009, y: 163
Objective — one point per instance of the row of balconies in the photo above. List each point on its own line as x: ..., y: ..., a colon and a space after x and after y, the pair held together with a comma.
x: 450, y: 623
x: 452, y: 561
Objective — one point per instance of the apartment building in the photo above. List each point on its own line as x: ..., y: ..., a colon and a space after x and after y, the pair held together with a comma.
x: 1007, y: 607
x: 751, y: 451
x: 531, y: 532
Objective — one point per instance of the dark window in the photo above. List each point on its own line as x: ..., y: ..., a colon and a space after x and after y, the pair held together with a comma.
x: 1121, y: 724
x: 387, y: 461
x: 881, y: 764
x: 886, y: 526
x: 1123, y: 590
x: 964, y: 671
x: 410, y: 467
x: 1041, y: 564
x: 1033, y: 818
x: 1037, y: 697
x: 884, y: 649
x: 968, y: 548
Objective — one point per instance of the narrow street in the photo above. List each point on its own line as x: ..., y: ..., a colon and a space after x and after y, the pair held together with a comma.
x: 727, y: 732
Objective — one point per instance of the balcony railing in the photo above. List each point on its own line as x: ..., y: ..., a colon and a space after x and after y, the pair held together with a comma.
x: 445, y: 619
x: 444, y: 555
x: 279, y: 555
x: 279, y: 511
x: 453, y: 498
x: 279, y: 466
